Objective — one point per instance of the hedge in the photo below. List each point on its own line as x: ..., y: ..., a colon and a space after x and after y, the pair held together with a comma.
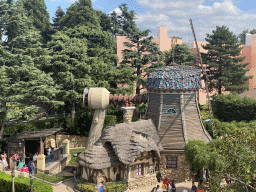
x: 109, y: 186
x: 232, y: 107
x: 22, y: 184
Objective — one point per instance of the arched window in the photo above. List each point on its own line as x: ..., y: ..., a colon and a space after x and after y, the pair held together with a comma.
x: 171, y: 111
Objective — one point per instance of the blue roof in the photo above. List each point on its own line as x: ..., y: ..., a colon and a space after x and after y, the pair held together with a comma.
x: 175, y: 77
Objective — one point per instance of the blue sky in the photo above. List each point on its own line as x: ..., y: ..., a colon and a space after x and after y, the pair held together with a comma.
x: 175, y: 14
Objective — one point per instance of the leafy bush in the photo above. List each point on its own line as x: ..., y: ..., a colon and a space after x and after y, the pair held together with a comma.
x: 22, y: 184
x: 232, y: 107
x: 109, y: 186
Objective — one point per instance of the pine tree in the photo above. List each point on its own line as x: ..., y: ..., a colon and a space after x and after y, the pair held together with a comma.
x: 243, y: 35
x: 127, y: 20
x: 136, y: 57
x: 224, y: 64
x: 37, y: 10
x: 21, y: 80
x: 115, y: 23
x: 80, y: 13
x: 3, y: 17
x: 83, y: 57
x: 59, y: 13
x: 105, y: 21
x: 181, y: 54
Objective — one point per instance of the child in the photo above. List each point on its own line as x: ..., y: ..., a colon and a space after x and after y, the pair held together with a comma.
x: 31, y: 168
x: 20, y: 164
x: 24, y: 169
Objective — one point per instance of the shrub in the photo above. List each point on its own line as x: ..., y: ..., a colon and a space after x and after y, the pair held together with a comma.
x: 109, y: 186
x: 22, y: 184
x: 232, y: 107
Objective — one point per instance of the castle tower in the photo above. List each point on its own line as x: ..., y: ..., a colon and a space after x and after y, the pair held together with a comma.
x: 173, y: 107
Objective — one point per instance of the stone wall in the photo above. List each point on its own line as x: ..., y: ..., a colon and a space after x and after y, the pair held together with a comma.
x: 142, y: 181
x: 76, y: 141
x: 182, y: 173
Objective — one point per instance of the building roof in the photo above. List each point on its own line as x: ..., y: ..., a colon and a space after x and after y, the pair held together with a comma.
x: 251, y: 94
x: 175, y: 77
x: 121, y: 143
x: 34, y: 134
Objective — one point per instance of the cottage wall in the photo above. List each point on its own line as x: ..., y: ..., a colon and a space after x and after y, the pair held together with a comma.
x: 179, y: 174
x: 149, y: 175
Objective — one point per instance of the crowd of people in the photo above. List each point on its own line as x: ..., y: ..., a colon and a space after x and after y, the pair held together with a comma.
x: 171, y: 186
x: 16, y: 163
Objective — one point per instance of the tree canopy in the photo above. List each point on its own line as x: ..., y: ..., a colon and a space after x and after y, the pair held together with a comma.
x: 225, y: 70
x: 142, y: 55
x: 181, y: 54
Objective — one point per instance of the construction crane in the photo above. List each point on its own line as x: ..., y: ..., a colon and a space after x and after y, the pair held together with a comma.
x: 206, y: 80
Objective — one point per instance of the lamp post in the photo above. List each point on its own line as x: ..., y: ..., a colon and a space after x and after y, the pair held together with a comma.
x: 31, y: 183
x: 13, y: 175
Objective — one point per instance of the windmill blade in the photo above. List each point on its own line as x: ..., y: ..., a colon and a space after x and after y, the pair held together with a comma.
x: 206, y: 80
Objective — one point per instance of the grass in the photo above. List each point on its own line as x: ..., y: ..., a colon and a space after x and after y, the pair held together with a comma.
x: 50, y: 178
x: 72, y: 152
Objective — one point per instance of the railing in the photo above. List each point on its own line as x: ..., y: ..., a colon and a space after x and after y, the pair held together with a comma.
x: 55, y: 155
x: 83, y: 186
x: 55, y: 178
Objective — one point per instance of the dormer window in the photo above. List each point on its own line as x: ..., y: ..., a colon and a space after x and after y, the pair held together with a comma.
x: 171, y: 111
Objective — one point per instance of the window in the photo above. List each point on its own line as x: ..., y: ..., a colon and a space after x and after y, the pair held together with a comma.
x: 171, y: 162
x: 171, y: 111
x: 139, y: 169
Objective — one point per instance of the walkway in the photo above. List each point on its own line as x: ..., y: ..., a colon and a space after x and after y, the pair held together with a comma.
x: 180, y: 187
x: 68, y: 186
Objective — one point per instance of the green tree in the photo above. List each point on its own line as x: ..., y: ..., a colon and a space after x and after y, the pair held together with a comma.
x: 37, y: 10
x: 115, y: 23
x: 135, y: 56
x: 83, y: 57
x: 226, y: 73
x: 80, y: 13
x: 242, y: 35
x: 3, y: 17
x: 59, y: 13
x: 105, y: 21
x: 21, y: 80
x: 181, y: 54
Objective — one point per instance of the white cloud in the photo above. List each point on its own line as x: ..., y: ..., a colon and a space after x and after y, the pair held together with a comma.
x: 117, y: 10
x: 175, y: 15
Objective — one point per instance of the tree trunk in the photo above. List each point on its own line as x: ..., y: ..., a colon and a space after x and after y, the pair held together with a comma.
x: 96, y: 127
x: 2, y: 129
x: 73, y: 111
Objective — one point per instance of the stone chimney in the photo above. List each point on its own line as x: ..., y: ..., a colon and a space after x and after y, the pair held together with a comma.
x: 128, y: 113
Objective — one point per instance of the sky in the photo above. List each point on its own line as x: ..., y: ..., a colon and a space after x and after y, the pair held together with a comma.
x: 237, y: 15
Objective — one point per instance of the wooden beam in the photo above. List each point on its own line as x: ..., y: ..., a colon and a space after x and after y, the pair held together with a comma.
x: 41, y: 146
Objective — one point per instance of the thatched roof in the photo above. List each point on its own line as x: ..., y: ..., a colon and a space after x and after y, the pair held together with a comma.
x: 34, y: 134
x: 121, y: 143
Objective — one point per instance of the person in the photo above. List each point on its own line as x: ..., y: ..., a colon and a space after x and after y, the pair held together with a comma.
x: 49, y: 150
x: 35, y: 158
x: 156, y: 189
x: 173, y: 187
x: 20, y: 164
x: 193, y: 189
x: 31, y: 168
x: 166, y: 181
x: 27, y: 159
x: 24, y: 168
x: 100, y: 187
x: 167, y: 186
x: 204, y: 175
x: 4, y: 161
x: 159, y: 177
x: 15, y: 159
